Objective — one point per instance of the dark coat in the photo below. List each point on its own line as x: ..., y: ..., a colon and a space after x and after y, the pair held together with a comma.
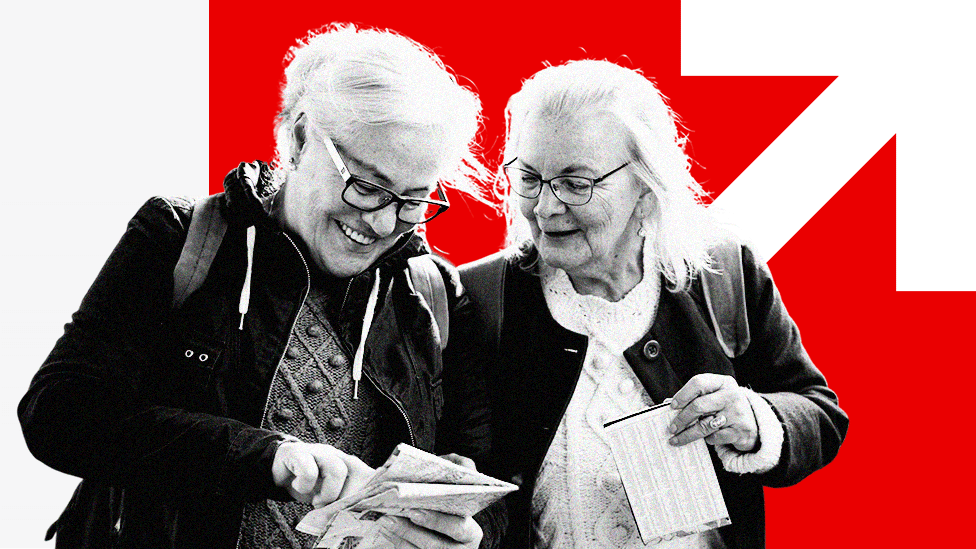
x: 534, y: 374
x: 119, y: 403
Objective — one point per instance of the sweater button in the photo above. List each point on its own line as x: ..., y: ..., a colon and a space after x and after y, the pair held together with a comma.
x: 336, y: 423
x: 315, y: 386
x: 285, y: 413
x: 652, y: 349
x: 626, y: 386
x: 291, y: 352
x: 314, y: 330
x: 620, y: 533
x: 338, y: 361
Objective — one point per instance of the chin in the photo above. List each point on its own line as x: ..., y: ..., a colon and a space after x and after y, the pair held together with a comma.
x: 558, y: 260
x: 341, y: 269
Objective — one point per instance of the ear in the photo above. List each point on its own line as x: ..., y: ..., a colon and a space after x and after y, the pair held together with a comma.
x: 298, y: 138
x: 645, y: 203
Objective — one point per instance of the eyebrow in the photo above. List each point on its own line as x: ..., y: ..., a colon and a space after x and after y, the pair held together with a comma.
x: 570, y: 169
x: 375, y: 172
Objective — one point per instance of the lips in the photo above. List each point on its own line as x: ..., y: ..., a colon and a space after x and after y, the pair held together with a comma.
x: 560, y: 233
x: 354, y: 235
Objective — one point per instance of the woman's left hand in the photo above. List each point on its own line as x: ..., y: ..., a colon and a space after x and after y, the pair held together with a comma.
x: 715, y: 408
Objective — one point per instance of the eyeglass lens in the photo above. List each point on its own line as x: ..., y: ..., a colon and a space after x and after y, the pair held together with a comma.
x: 368, y: 197
x: 570, y: 189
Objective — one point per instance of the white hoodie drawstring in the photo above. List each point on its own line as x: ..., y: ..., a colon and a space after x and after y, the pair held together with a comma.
x: 357, y: 362
x: 246, y: 290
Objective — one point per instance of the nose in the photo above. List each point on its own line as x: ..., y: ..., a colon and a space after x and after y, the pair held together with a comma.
x: 547, y: 204
x: 382, y: 221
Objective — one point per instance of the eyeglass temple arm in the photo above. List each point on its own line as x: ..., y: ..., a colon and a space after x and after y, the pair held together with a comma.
x: 601, y: 178
x: 441, y: 195
x: 337, y: 160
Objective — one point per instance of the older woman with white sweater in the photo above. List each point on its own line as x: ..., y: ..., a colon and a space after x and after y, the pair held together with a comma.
x: 604, y: 314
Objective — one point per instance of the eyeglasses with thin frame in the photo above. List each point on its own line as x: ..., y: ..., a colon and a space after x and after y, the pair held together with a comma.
x: 367, y: 196
x: 572, y: 190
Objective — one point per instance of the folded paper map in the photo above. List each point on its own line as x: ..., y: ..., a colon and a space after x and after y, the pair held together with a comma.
x: 673, y: 491
x: 410, y: 479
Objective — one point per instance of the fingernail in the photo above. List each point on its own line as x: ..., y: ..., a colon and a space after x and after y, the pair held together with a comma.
x: 673, y: 441
x: 672, y: 428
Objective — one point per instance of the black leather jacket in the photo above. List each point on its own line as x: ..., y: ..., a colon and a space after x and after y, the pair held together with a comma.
x: 173, y: 440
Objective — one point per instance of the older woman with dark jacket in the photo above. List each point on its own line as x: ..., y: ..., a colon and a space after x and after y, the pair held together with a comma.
x: 604, y: 314
x: 306, y: 354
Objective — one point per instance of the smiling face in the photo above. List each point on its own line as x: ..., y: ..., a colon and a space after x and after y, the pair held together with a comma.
x: 342, y: 240
x: 599, y: 239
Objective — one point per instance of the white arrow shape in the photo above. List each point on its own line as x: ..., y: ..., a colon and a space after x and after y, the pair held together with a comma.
x: 806, y: 165
x: 902, y: 68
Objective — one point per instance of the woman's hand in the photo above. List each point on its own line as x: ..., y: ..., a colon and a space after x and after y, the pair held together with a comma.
x: 715, y: 408
x: 317, y: 473
x: 430, y: 530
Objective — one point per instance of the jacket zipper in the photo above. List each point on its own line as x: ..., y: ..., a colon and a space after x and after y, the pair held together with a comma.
x: 267, y: 398
x: 413, y: 439
x: 308, y: 285
x: 391, y: 398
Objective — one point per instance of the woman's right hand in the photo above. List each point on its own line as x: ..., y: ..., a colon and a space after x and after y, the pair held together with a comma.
x: 317, y: 473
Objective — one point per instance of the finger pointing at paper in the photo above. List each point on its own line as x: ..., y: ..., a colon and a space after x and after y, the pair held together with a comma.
x: 317, y: 473
x: 714, y: 407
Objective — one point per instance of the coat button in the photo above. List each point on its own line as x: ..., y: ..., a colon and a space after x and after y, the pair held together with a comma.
x: 285, y: 413
x: 652, y: 349
x: 337, y: 423
x: 315, y: 386
x: 314, y: 330
x: 291, y: 352
x: 338, y: 361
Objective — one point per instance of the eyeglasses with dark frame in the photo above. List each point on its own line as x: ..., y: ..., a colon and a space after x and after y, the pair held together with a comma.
x: 572, y: 190
x: 367, y: 196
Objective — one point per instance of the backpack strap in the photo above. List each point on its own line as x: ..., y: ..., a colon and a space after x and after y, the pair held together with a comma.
x: 429, y: 283
x: 725, y: 297
x: 484, y: 280
x: 207, y: 228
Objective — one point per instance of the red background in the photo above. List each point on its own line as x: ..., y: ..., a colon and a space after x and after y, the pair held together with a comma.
x: 893, y: 357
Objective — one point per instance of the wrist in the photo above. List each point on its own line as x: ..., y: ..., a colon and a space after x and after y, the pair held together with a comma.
x: 767, y: 450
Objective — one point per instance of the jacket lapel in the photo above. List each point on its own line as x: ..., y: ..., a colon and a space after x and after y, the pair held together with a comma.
x: 545, y: 361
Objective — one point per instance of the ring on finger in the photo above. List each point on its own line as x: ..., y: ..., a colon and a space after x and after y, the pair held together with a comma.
x: 715, y: 422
